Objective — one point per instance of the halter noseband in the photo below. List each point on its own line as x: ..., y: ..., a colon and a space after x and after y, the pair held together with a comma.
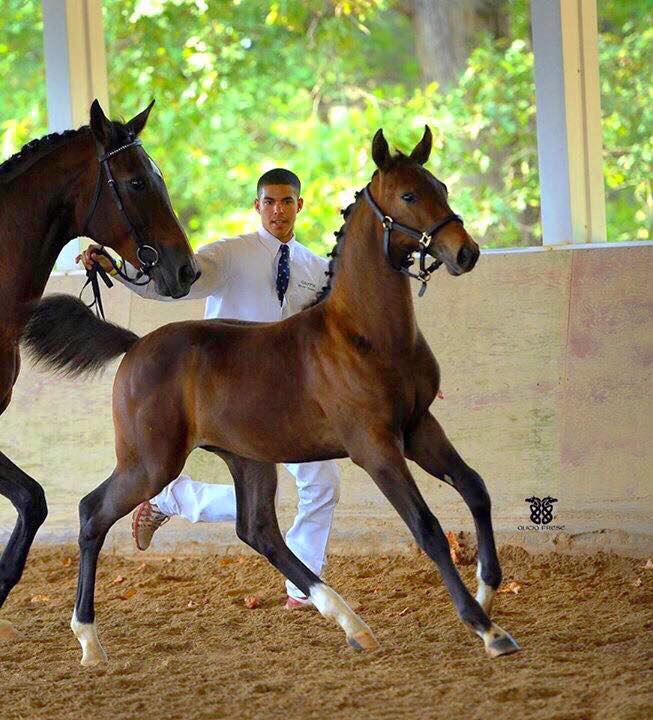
x: 142, y: 250
x: 424, y: 238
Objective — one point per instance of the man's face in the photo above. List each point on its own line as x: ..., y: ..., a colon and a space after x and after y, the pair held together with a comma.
x: 278, y: 206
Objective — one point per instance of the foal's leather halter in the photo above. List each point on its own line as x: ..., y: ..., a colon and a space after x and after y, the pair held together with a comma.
x: 142, y: 250
x: 425, y: 239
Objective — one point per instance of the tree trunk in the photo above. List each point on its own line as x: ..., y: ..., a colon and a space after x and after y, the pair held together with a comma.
x: 445, y: 31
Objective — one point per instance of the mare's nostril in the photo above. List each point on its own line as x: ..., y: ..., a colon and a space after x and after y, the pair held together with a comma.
x: 186, y: 274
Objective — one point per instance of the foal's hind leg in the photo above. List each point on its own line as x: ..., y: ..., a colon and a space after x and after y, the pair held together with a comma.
x: 29, y: 500
x: 429, y: 447
x: 256, y: 524
x: 384, y: 461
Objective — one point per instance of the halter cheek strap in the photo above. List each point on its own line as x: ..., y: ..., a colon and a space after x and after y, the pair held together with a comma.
x: 425, y: 238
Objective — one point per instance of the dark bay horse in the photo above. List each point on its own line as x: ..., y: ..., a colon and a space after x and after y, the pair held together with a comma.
x: 350, y: 376
x: 99, y: 182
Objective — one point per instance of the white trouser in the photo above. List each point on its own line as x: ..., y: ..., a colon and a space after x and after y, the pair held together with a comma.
x: 318, y: 487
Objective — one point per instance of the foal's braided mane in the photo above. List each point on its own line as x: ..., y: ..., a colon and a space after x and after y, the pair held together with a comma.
x: 335, y: 251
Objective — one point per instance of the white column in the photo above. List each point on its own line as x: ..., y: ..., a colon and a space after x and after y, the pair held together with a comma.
x: 569, y: 137
x: 75, y: 70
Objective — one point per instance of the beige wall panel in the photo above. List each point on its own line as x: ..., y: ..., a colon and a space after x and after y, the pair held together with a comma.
x: 606, y: 418
x: 542, y: 397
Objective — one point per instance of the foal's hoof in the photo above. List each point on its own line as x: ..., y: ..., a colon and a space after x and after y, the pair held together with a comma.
x: 504, y: 645
x: 8, y: 632
x: 93, y: 658
x: 363, y: 641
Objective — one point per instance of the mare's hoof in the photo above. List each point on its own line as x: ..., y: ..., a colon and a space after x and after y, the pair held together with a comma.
x: 504, y: 645
x: 363, y: 641
x: 8, y: 632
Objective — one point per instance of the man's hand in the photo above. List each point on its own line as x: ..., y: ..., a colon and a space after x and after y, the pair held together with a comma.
x: 90, y: 256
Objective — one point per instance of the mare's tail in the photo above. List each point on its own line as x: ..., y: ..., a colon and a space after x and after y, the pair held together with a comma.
x: 66, y: 337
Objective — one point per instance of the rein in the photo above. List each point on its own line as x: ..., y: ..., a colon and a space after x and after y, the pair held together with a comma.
x: 142, y: 250
x: 425, y: 238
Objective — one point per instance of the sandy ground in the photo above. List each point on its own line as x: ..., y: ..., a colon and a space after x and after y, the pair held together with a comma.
x: 182, y: 644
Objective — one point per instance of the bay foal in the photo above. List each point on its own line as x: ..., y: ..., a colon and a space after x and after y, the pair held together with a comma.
x: 350, y: 376
x: 95, y: 181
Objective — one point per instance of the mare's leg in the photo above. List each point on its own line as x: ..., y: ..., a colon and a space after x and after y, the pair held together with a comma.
x: 28, y: 498
x: 383, y: 459
x: 256, y: 485
x: 429, y: 447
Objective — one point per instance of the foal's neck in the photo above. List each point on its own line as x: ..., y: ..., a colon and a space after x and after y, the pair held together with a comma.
x: 40, y: 215
x: 372, y: 298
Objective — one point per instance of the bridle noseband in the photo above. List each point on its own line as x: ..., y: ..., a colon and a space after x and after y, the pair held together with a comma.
x: 424, y: 238
x: 143, y: 250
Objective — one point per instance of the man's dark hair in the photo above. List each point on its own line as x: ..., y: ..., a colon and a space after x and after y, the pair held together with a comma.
x: 279, y: 176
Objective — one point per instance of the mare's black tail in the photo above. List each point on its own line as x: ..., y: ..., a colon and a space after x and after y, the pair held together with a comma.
x: 66, y: 337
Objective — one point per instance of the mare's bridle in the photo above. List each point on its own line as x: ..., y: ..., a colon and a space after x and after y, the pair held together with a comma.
x: 425, y: 239
x: 147, y: 255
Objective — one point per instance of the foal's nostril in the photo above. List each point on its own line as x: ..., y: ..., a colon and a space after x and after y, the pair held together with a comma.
x: 467, y: 257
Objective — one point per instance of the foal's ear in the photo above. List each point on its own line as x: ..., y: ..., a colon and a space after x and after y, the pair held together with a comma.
x: 422, y: 150
x: 381, y: 151
x: 100, y: 124
x: 137, y: 123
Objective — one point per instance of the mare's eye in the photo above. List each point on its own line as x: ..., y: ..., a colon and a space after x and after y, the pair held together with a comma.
x: 137, y: 184
x: 409, y: 198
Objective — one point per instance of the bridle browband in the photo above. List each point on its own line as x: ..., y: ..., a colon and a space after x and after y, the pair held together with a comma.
x: 142, y: 249
x: 424, y: 238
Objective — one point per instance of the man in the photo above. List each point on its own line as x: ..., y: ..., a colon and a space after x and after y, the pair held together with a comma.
x: 263, y: 276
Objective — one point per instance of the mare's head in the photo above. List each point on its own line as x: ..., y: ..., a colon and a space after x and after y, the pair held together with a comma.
x: 130, y: 210
x: 408, y: 193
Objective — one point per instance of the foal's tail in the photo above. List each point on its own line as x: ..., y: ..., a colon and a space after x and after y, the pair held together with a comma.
x: 66, y: 337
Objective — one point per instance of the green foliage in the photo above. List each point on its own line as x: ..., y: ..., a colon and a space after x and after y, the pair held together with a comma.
x: 23, y: 111
x: 626, y: 54
x: 246, y: 85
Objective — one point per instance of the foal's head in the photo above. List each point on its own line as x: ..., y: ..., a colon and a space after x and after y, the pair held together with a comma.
x: 135, y: 216
x: 409, y: 194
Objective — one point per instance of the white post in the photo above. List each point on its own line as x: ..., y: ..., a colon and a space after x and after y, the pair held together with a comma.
x: 569, y: 137
x: 75, y: 70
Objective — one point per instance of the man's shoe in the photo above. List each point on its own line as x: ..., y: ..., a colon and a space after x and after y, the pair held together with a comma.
x: 146, y: 520
x: 292, y: 604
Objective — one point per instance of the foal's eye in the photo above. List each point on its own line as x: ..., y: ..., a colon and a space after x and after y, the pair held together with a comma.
x: 409, y: 198
x: 137, y: 184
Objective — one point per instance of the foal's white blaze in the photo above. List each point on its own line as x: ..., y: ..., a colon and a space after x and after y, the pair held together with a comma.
x: 92, y: 652
x: 331, y: 605
x: 485, y: 593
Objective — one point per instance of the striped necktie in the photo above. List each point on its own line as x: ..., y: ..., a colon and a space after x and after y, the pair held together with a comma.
x: 283, y: 272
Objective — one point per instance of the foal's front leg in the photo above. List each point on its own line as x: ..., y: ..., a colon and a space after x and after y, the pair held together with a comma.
x: 382, y: 458
x: 430, y: 448
x: 257, y: 525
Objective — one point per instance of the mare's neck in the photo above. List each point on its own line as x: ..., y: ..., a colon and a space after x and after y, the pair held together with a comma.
x: 40, y: 214
x: 372, y: 298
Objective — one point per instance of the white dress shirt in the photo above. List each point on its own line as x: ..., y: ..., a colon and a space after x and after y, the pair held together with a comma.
x: 239, y: 278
